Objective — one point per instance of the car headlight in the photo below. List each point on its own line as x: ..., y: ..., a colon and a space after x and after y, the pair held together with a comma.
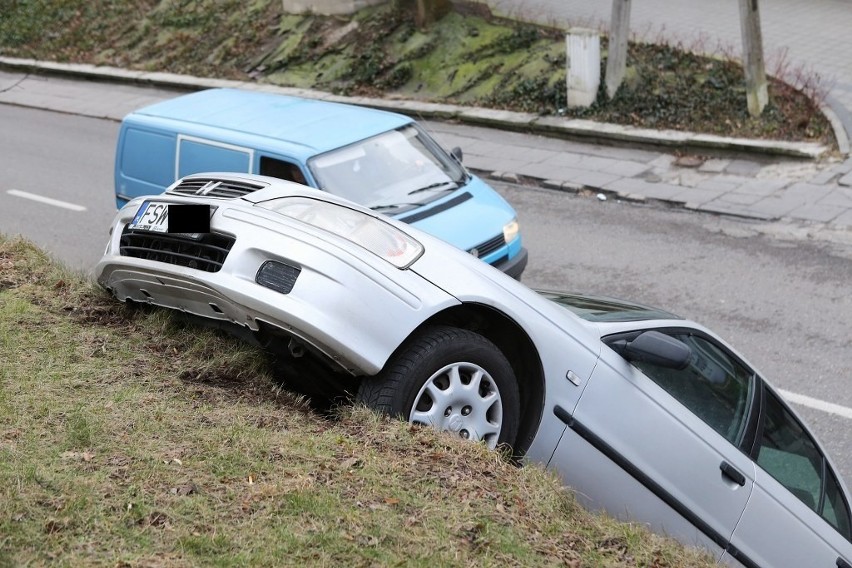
x: 511, y: 230
x: 372, y: 234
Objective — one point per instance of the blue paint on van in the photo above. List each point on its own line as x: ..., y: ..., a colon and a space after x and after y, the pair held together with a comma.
x: 380, y: 159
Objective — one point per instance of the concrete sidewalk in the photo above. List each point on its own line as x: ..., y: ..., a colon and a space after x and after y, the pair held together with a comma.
x: 814, y: 197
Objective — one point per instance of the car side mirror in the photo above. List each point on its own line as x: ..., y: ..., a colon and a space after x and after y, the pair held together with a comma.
x: 457, y: 154
x: 655, y: 348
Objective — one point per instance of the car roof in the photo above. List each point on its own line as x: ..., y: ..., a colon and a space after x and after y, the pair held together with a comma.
x: 313, y: 124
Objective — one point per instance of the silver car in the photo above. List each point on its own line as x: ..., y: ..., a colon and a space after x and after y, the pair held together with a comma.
x: 644, y: 414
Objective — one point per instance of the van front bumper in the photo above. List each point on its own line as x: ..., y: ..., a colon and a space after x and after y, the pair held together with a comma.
x: 514, y: 266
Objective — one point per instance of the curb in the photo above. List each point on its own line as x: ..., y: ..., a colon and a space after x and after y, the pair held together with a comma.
x: 507, y: 120
x: 837, y: 124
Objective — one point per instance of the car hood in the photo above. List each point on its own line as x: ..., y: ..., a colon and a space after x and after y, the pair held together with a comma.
x: 466, y: 218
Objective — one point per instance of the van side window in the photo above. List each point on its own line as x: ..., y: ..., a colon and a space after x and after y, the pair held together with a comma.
x: 281, y: 169
x: 197, y: 155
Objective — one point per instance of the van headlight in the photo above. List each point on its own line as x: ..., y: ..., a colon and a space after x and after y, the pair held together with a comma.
x: 511, y: 230
x: 372, y: 234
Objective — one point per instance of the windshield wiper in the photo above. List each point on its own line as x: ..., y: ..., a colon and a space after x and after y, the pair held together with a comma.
x: 392, y: 206
x: 436, y: 185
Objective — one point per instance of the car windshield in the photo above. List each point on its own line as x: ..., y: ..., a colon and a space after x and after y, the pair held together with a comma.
x: 599, y: 309
x: 396, y: 169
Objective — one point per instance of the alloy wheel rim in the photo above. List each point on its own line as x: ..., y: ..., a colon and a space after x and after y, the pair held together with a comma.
x: 461, y: 398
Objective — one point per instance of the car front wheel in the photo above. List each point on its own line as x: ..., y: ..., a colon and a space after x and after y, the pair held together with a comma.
x: 452, y: 379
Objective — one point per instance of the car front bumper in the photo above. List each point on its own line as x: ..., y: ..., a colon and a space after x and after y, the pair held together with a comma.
x: 349, y: 305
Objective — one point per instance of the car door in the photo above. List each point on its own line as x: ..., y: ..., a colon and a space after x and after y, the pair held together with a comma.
x: 659, y: 445
x: 798, y: 514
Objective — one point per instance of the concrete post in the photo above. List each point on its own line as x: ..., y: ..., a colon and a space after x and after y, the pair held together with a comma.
x: 583, y: 66
x: 616, y: 60
x: 757, y: 94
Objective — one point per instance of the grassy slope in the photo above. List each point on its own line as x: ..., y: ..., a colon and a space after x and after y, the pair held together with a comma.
x: 127, y: 438
x: 463, y: 58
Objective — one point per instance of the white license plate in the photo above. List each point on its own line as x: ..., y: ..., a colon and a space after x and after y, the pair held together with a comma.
x: 152, y: 216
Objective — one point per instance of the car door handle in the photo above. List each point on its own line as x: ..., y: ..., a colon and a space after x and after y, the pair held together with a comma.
x: 733, y: 474
x: 842, y: 563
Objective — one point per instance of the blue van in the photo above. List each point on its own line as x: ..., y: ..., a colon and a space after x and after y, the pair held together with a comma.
x: 380, y: 159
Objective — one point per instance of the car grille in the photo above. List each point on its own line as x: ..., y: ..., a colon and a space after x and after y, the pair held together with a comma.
x: 206, y: 252
x: 215, y: 188
x: 488, y: 246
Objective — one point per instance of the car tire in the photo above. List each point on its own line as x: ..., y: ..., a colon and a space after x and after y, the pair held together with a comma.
x: 431, y: 380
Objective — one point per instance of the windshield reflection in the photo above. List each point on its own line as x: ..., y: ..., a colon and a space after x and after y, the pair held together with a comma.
x: 386, y: 170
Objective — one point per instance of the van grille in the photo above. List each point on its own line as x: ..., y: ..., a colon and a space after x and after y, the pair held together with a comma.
x: 215, y: 188
x: 207, y: 252
x: 488, y: 246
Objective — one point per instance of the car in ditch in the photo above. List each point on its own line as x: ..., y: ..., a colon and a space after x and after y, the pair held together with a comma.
x: 646, y: 415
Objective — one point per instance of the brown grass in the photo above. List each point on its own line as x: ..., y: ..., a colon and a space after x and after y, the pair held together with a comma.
x: 129, y: 439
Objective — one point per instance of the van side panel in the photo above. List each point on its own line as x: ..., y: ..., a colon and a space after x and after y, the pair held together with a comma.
x: 145, y: 162
x: 196, y: 155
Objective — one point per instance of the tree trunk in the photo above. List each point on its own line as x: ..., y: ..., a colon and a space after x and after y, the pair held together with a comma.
x: 616, y: 60
x: 426, y: 12
x: 757, y: 94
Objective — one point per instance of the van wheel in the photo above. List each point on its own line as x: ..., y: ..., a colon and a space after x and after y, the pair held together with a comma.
x: 452, y: 379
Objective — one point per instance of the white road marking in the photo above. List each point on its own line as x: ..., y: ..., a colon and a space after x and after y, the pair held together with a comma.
x: 817, y: 404
x: 47, y: 200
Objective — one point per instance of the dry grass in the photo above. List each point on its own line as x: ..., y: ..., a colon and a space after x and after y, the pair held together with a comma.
x: 129, y: 439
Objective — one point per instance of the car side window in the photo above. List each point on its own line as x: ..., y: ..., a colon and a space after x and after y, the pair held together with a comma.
x: 790, y: 455
x: 835, y: 510
x: 714, y: 386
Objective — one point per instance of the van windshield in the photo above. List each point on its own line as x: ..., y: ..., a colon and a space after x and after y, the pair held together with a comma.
x: 396, y: 169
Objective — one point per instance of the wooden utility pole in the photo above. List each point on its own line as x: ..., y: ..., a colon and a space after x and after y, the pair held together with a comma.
x: 616, y: 60
x: 426, y: 12
x: 757, y: 94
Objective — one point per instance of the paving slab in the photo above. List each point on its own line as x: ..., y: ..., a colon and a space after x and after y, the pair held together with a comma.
x: 839, y: 197
x: 762, y: 187
x: 776, y: 206
x: 694, y: 198
x: 819, y: 213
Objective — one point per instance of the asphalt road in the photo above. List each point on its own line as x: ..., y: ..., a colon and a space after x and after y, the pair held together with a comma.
x: 65, y: 158
x: 784, y: 302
